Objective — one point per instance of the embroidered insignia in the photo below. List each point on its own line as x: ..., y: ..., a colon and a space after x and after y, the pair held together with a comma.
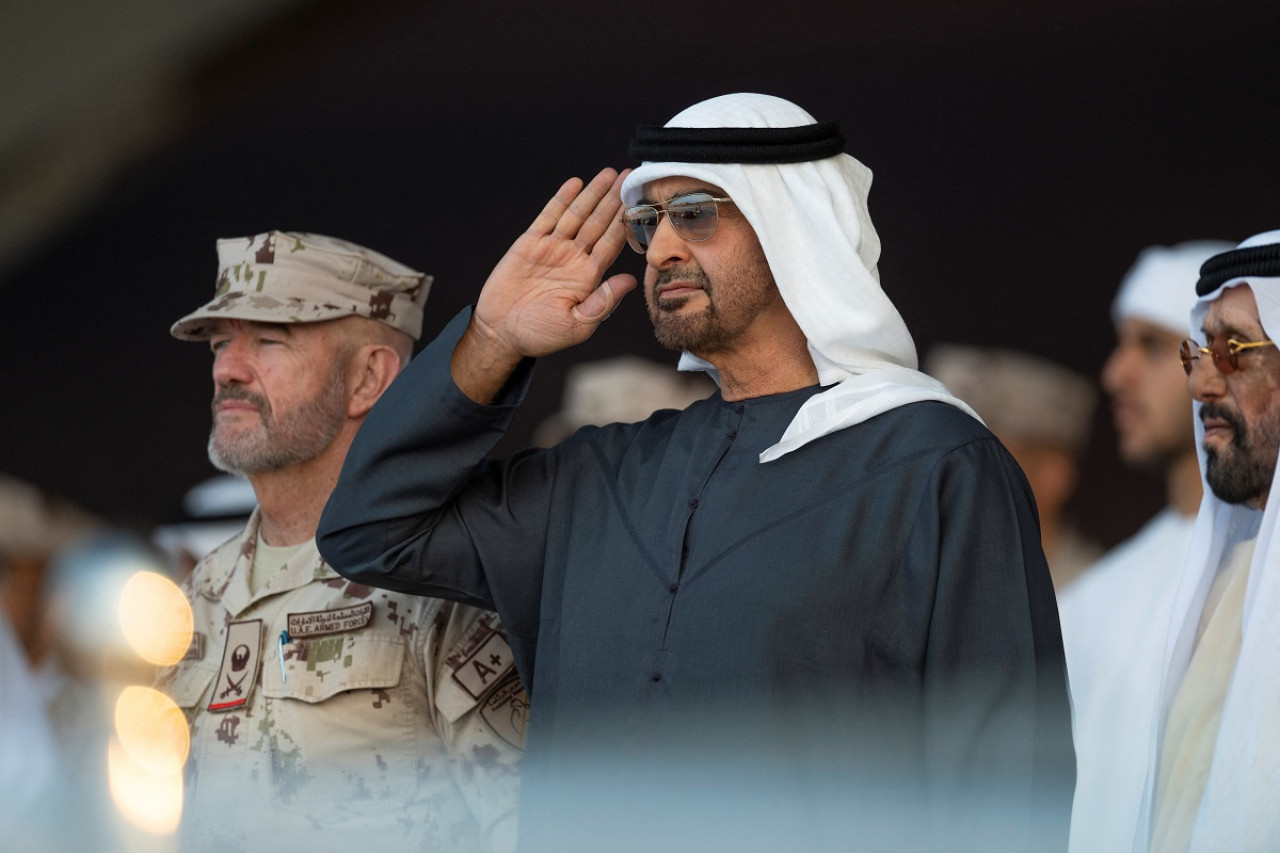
x: 319, y: 622
x: 485, y: 666
x: 226, y: 730
x: 240, y: 658
x: 507, y: 711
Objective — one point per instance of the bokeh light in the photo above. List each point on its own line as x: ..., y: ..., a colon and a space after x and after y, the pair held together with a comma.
x: 149, y: 801
x: 152, y: 729
x: 156, y: 618
x: 145, y: 759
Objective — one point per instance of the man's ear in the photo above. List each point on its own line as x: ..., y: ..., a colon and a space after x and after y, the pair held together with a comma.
x: 371, y: 371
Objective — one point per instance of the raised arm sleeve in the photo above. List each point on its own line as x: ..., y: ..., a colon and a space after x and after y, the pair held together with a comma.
x: 419, y: 508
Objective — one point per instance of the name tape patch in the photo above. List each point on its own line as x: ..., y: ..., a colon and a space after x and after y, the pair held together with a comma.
x: 319, y: 622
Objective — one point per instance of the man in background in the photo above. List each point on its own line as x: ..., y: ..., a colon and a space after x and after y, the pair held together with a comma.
x: 326, y: 714
x: 30, y: 768
x: 622, y: 389
x: 1043, y: 413
x: 1115, y: 620
x: 1209, y: 777
x: 34, y: 526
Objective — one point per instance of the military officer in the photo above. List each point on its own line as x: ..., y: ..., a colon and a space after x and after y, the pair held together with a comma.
x: 326, y: 713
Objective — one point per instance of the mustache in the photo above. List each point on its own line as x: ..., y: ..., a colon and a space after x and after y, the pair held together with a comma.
x: 235, y: 392
x: 1221, y: 412
x: 690, y: 274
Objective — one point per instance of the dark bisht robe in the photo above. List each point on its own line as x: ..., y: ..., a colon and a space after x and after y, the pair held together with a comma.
x: 853, y: 646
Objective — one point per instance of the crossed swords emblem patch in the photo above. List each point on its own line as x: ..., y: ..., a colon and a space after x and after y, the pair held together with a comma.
x: 239, y: 671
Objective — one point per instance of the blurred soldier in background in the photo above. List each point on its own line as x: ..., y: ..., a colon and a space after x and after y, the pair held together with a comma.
x: 62, y: 575
x: 326, y: 714
x: 29, y: 765
x: 624, y: 390
x: 34, y: 525
x: 1043, y: 413
x: 1115, y: 620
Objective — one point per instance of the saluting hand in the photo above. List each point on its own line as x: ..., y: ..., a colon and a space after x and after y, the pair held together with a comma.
x: 547, y: 293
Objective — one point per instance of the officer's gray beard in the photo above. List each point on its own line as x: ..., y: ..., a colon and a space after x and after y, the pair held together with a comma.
x: 278, y: 442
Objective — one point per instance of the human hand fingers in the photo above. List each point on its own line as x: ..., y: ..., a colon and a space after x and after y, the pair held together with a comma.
x: 546, y: 221
x: 602, y: 301
x: 605, y: 230
x: 546, y: 291
x: 590, y: 199
x: 604, y: 215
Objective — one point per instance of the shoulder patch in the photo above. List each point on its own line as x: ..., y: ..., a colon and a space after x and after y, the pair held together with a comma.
x: 485, y: 666
x: 506, y: 711
x: 240, y: 659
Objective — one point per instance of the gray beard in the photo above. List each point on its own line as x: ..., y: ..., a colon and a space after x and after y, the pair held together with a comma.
x: 296, y: 437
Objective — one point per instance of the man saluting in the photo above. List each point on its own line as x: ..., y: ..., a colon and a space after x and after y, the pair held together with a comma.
x: 811, y: 606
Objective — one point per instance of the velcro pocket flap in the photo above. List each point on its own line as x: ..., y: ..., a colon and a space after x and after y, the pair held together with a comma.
x: 318, y: 668
x: 188, y: 681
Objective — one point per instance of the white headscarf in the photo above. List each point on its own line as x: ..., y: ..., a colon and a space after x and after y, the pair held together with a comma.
x: 812, y: 222
x: 1241, y: 805
x: 1160, y: 287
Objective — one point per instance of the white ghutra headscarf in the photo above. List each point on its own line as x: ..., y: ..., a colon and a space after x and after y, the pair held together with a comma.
x: 812, y: 221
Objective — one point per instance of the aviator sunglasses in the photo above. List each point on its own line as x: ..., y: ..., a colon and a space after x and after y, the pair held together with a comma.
x: 694, y: 216
x: 1226, y: 357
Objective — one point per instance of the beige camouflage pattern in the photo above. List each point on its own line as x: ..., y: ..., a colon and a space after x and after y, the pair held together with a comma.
x: 292, y: 277
x: 402, y: 734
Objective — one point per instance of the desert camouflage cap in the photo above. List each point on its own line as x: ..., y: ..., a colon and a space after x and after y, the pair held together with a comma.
x: 291, y: 277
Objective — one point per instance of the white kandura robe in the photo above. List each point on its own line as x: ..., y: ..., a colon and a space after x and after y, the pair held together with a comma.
x: 1115, y: 620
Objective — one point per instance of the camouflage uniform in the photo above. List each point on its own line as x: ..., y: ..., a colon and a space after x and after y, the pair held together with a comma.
x: 397, y: 719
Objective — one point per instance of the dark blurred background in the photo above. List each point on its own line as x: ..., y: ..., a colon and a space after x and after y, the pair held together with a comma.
x: 1023, y: 154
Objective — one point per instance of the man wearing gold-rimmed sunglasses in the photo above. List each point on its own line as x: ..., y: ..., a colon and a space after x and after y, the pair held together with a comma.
x: 1211, y: 780
x: 1115, y: 618
x: 808, y: 612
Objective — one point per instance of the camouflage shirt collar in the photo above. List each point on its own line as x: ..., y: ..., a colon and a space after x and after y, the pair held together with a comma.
x: 228, y: 570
